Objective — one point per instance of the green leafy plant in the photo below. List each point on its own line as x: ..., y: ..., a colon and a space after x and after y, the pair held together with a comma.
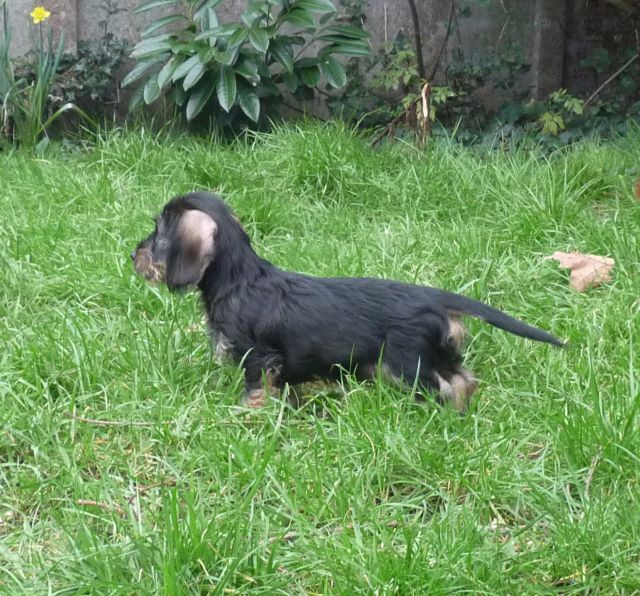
x: 278, y: 46
x: 562, y: 108
x: 88, y: 78
x: 398, y: 68
x: 24, y: 100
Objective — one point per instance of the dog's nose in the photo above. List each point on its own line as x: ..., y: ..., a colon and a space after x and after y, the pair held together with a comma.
x: 133, y: 255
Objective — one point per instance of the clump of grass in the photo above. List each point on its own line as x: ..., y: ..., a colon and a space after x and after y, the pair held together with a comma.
x: 536, y: 488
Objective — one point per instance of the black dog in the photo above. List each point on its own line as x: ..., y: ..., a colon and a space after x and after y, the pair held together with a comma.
x: 290, y: 328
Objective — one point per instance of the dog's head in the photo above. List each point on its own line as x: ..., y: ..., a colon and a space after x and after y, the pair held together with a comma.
x: 186, y: 240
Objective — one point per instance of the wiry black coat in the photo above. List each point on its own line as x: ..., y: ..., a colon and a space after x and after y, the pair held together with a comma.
x: 294, y: 328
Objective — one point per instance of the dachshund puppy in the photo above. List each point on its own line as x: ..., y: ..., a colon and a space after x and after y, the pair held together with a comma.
x: 290, y: 328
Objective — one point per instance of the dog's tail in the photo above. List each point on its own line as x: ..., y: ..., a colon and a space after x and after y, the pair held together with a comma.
x: 468, y: 306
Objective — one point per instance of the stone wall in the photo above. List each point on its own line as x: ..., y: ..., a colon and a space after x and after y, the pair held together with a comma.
x: 471, y: 29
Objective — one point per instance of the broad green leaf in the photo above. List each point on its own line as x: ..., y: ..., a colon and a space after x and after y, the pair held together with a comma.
x: 199, y: 98
x: 291, y: 81
x: 254, y: 13
x: 346, y: 49
x: 151, y: 90
x: 184, y: 68
x: 161, y: 23
x: 195, y: 74
x: 325, y: 18
x: 228, y: 57
x: 205, y: 14
x: 334, y: 72
x: 293, y: 40
x: 151, y: 46
x: 248, y: 69
x: 350, y: 31
x: 237, y: 38
x: 212, y: 18
x: 207, y: 55
x: 310, y: 75
x: 281, y: 52
x: 316, y: 5
x: 337, y: 38
x: 259, y: 39
x: 136, y: 99
x: 166, y: 72
x: 151, y: 4
x: 201, y: 11
x: 178, y: 95
x: 223, y: 31
x: 249, y: 103
x: 226, y: 87
x: 300, y: 17
x: 307, y: 61
x: 140, y: 68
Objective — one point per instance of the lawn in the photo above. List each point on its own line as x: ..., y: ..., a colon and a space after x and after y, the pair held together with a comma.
x: 124, y: 467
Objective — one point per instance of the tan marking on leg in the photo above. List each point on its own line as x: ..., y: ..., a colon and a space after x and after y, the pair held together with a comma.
x: 457, y: 332
x: 221, y: 349
x: 386, y: 373
x: 257, y: 398
x: 458, y: 390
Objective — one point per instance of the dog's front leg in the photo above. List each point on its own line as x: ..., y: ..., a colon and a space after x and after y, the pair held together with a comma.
x: 262, y: 379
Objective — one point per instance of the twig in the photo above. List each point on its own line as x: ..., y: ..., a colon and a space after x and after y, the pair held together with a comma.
x: 444, y: 41
x: 338, y: 98
x: 504, y: 27
x: 426, y: 113
x: 591, y: 472
x: 142, y: 489
x: 391, y: 125
x: 611, y: 78
x: 417, y: 39
x: 97, y: 422
x: 103, y: 506
x: 386, y: 23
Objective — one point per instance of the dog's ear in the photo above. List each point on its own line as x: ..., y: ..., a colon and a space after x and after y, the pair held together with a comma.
x: 192, y: 249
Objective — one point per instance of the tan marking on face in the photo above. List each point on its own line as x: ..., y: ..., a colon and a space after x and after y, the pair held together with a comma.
x: 145, y: 266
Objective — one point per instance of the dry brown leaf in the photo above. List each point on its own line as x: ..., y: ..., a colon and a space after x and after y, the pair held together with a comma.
x: 636, y: 190
x: 587, y: 271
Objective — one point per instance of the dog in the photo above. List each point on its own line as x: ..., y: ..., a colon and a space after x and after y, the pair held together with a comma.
x: 289, y: 328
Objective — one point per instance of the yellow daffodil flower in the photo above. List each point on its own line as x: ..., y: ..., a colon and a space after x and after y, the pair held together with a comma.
x: 39, y: 14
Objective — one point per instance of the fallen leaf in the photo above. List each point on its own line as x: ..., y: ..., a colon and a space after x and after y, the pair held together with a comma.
x: 587, y: 271
x: 637, y: 189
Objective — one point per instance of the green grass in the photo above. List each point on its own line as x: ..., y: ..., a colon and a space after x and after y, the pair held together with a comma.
x: 536, y: 490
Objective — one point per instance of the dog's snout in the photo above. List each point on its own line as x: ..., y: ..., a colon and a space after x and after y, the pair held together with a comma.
x: 133, y: 254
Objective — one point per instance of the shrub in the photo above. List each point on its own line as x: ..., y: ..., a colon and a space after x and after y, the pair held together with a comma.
x: 278, y: 46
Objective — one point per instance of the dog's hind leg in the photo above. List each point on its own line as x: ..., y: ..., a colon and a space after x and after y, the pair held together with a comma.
x: 437, y: 371
x: 456, y: 388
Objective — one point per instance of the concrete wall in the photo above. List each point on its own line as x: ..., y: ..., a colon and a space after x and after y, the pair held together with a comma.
x: 475, y: 29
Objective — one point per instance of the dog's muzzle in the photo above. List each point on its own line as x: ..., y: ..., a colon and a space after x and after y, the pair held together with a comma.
x: 145, y: 266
